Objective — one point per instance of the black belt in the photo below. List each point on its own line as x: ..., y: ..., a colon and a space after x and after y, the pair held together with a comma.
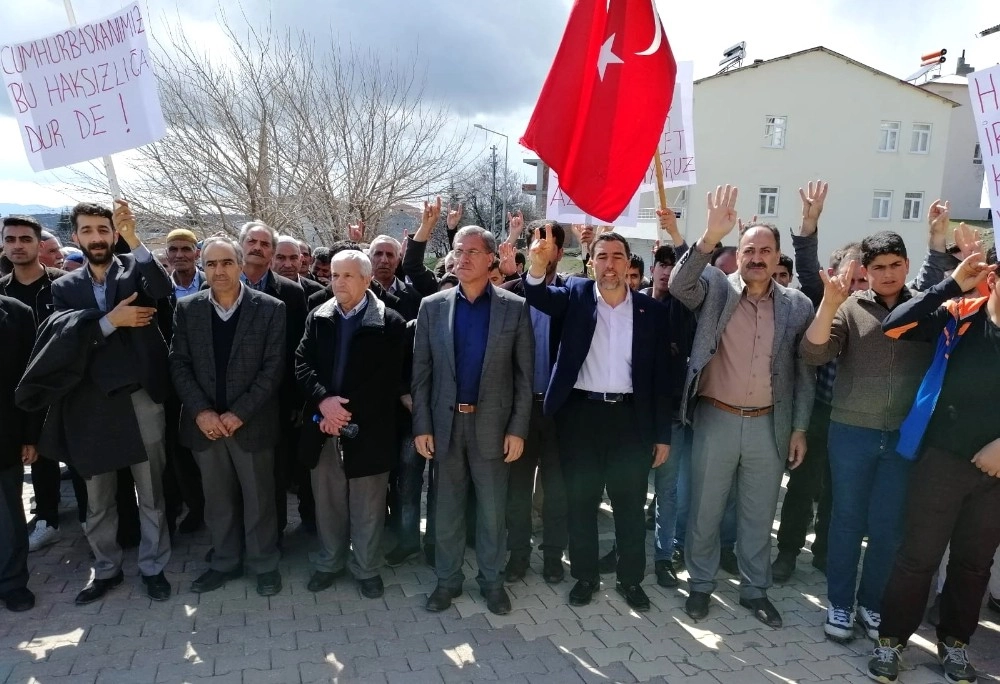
x: 538, y: 396
x: 606, y: 397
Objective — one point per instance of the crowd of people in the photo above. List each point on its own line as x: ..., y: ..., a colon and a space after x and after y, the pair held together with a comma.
x: 200, y: 386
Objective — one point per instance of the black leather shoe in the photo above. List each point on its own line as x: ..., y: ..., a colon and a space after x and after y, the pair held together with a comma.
x: 98, y: 588
x: 157, y: 587
x: 400, y: 555
x: 608, y: 563
x: 517, y: 568
x: 696, y: 605
x: 210, y: 580
x: 553, y: 571
x: 497, y: 601
x: 634, y: 596
x: 323, y: 580
x: 763, y: 610
x: 582, y: 592
x: 440, y: 598
x: 19, y: 600
x: 269, y: 583
x: 666, y: 576
x: 729, y: 562
x: 783, y: 567
x: 372, y: 587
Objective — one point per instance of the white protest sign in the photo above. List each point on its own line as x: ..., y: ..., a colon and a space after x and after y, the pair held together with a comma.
x: 84, y: 92
x: 677, y: 140
x: 560, y: 207
x: 984, y: 92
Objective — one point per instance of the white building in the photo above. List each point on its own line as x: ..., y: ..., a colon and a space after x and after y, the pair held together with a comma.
x: 772, y: 126
x: 963, y: 177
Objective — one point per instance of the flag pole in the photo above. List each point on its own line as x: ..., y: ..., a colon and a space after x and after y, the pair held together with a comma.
x: 109, y: 164
x: 661, y: 190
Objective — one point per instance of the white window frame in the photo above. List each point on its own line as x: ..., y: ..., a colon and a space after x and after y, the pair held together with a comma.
x: 877, y: 216
x: 977, y: 155
x: 911, y: 213
x: 889, y: 129
x: 916, y: 135
x: 764, y: 196
x: 775, y: 131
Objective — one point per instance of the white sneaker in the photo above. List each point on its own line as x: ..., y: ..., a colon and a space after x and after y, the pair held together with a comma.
x: 870, y: 622
x: 839, y: 625
x: 42, y: 536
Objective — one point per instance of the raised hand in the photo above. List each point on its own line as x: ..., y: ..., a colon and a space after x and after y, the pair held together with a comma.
x: 967, y: 240
x: 543, y: 252
x: 837, y: 288
x: 515, y: 226
x: 124, y: 315
x: 356, y: 231
x: 428, y: 219
x: 508, y: 266
x: 668, y: 221
x: 721, y: 214
x: 938, y: 221
x: 742, y: 226
x: 454, y: 217
x: 813, y: 198
x: 124, y: 222
x: 972, y: 271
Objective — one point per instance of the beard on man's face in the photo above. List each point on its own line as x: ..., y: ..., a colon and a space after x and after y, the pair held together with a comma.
x: 104, y: 257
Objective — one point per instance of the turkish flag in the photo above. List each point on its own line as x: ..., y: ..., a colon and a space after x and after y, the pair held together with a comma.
x: 601, y: 111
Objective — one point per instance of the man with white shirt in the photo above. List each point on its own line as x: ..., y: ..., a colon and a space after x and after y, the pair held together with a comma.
x: 610, y: 394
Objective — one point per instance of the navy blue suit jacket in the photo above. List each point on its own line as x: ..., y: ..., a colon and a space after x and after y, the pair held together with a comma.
x: 576, y: 306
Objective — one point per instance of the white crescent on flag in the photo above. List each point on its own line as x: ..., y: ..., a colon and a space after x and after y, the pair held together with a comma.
x: 657, y: 38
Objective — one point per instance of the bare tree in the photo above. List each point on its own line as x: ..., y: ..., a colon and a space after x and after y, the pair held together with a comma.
x: 307, y: 140
x: 483, y: 206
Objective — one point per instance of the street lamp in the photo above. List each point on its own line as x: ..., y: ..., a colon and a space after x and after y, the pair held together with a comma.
x: 506, y: 145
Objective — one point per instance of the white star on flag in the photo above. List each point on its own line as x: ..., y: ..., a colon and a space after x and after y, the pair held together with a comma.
x: 607, y: 56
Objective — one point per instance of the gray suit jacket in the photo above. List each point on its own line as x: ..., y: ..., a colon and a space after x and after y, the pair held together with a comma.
x: 253, y: 375
x: 504, y: 405
x: 713, y: 297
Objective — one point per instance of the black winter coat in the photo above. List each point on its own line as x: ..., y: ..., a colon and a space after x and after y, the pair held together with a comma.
x: 17, y: 335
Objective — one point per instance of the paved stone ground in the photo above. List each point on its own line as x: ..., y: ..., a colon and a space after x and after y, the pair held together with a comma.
x: 233, y: 636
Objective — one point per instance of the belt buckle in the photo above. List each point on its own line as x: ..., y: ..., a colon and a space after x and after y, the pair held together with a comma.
x: 612, y: 400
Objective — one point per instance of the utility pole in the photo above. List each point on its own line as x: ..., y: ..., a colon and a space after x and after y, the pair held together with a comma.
x: 493, y: 194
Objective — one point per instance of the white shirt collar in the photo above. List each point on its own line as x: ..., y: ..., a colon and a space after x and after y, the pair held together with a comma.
x: 224, y: 313
x: 360, y: 305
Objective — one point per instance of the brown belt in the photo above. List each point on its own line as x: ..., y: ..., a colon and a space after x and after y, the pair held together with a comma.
x: 465, y: 408
x: 741, y: 412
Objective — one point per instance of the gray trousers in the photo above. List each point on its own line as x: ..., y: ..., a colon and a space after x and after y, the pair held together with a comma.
x: 239, y: 505
x: 350, y: 514
x: 102, y: 510
x: 461, y: 466
x: 732, y: 451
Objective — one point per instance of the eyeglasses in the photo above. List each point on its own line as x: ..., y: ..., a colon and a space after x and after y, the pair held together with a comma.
x: 471, y: 253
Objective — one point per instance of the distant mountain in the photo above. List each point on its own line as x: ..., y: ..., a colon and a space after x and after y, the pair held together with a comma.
x: 29, y: 209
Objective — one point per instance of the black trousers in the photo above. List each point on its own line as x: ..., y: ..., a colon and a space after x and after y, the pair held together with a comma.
x: 949, y: 500
x: 541, y: 450
x: 13, y: 531
x: 181, y: 476
x: 600, y: 448
x: 807, y: 484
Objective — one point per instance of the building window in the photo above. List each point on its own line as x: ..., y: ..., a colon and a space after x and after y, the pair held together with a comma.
x: 913, y: 206
x: 774, y: 131
x: 767, y: 203
x: 920, y: 143
x: 882, y: 205
x: 977, y: 155
x: 888, y: 140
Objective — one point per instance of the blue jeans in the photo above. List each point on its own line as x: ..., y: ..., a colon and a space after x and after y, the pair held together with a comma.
x: 411, y: 484
x: 680, y: 452
x: 665, y: 486
x: 869, y: 481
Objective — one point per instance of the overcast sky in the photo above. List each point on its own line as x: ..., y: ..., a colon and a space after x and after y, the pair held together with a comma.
x: 487, y: 59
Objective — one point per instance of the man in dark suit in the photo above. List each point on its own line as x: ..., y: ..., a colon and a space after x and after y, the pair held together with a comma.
x: 227, y: 361
x: 473, y: 359
x: 19, y: 432
x: 115, y: 416
x: 385, y: 256
x: 541, y: 450
x: 349, y: 366
x: 287, y: 262
x: 258, y: 241
x: 610, y: 395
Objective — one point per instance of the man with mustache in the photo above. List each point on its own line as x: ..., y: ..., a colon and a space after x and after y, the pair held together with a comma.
x: 50, y: 251
x: 258, y: 241
x: 384, y: 253
x: 114, y: 416
x: 749, y: 395
x: 287, y: 262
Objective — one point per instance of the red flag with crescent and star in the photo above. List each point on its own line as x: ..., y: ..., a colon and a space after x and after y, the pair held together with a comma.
x: 601, y: 111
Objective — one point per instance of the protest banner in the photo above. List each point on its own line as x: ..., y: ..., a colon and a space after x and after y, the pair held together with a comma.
x: 560, y: 207
x: 985, y: 97
x: 677, y: 141
x: 84, y: 92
